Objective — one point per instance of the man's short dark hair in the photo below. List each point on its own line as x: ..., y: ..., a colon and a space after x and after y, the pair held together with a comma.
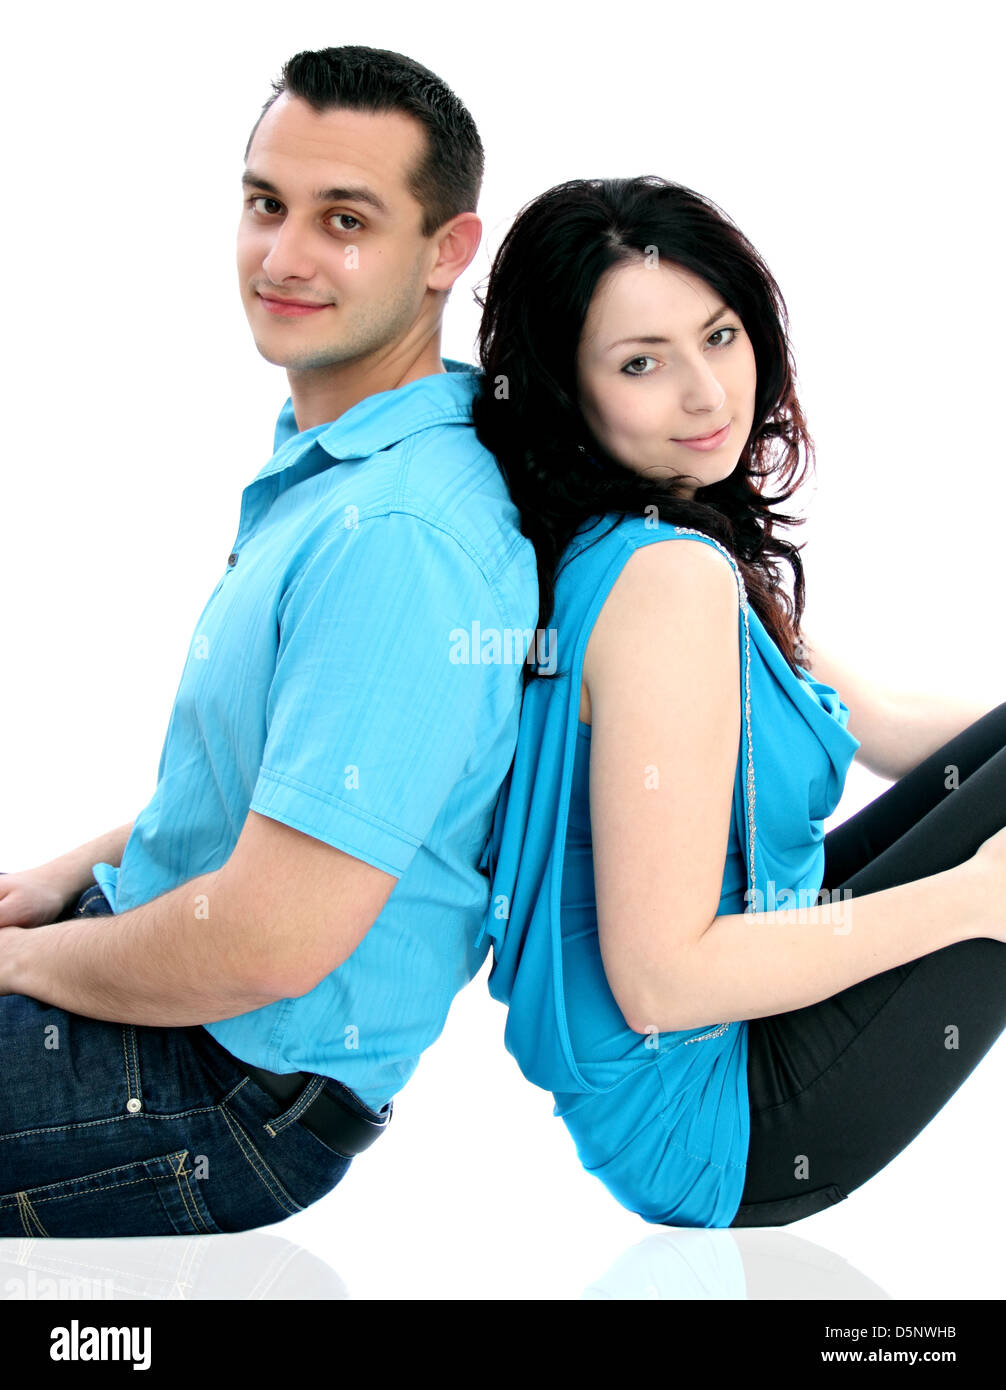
x: 448, y: 178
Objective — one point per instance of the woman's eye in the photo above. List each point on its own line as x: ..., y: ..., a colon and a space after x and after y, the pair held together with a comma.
x: 634, y: 362
x: 732, y: 331
x: 351, y: 218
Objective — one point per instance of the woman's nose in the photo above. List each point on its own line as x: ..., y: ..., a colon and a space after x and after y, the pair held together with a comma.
x: 701, y: 389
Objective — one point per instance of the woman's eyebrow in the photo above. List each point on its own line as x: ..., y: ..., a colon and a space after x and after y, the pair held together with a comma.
x: 653, y: 339
x: 350, y: 193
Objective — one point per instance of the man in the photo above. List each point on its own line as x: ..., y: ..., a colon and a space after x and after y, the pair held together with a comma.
x: 282, y: 930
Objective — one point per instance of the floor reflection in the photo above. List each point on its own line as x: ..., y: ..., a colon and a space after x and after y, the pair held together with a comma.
x: 248, y: 1265
x: 722, y: 1264
x: 667, y: 1264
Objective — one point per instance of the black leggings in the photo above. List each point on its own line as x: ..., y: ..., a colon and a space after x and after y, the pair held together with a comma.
x: 838, y: 1088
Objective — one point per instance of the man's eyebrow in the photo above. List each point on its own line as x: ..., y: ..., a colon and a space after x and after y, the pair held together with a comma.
x: 653, y: 339
x: 346, y: 193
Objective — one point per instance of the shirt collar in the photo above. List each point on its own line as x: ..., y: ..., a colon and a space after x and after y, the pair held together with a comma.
x: 383, y: 419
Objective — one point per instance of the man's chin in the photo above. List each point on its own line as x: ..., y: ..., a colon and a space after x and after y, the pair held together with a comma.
x: 300, y: 361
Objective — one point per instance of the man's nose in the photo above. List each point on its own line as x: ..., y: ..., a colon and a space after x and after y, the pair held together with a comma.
x: 290, y: 255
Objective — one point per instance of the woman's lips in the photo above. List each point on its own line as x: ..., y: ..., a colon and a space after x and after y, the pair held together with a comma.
x: 712, y: 441
x: 285, y: 309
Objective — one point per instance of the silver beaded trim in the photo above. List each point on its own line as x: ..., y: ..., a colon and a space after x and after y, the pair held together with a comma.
x: 721, y: 1028
x: 717, y: 1032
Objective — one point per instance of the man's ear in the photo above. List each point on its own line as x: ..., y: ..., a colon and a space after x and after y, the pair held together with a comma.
x: 458, y: 240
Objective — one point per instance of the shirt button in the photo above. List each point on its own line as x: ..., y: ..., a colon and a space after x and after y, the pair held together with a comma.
x: 232, y: 559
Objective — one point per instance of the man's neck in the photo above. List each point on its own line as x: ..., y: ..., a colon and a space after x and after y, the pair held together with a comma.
x: 323, y: 394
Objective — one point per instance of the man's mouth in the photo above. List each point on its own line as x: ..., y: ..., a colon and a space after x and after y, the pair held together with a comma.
x: 291, y: 308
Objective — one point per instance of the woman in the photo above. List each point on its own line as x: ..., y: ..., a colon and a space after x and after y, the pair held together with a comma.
x: 740, y: 1019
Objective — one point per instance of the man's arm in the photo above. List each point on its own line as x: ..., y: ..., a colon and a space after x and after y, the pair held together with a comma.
x: 283, y: 912
x: 897, y: 729
x: 371, y: 723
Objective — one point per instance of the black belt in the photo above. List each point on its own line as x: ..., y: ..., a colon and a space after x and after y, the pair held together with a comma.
x: 339, y: 1120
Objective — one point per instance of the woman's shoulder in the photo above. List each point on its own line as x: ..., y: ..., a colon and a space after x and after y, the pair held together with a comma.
x: 603, y: 546
x: 616, y: 531
x: 602, y: 553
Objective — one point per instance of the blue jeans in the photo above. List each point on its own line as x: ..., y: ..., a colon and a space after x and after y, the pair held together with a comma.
x: 118, y: 1129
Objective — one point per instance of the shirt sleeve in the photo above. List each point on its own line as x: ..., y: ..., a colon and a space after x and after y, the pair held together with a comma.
x: 371, y: 715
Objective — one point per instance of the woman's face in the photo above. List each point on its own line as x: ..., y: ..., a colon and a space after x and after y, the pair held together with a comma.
x: 663, y: 359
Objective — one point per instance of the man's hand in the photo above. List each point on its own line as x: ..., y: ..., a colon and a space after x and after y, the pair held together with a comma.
x: 29, y: 899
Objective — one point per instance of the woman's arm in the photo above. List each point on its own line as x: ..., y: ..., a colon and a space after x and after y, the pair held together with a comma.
x: 897, y: 729
x: 662, y: 669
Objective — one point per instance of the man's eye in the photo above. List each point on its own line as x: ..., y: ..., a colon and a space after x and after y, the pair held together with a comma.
x: 351, y: 218
x: 261, y: 198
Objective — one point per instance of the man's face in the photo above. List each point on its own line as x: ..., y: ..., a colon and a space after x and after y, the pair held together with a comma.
x: 328, y: 223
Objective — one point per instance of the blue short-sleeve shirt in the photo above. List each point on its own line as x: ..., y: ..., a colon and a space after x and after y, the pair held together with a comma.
x: 356, y: 674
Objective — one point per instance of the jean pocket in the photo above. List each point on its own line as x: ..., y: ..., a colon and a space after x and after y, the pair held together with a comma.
x: 93, y: 903
x: 148, y: 1197
x: 292, y: 1164
x: 279, y: 1119
x: 295, y: 1107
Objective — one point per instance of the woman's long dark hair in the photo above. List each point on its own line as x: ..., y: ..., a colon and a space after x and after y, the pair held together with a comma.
x: 527, y: 413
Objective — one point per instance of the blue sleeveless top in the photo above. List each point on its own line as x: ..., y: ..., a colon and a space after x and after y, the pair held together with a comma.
x: 662, y: 1119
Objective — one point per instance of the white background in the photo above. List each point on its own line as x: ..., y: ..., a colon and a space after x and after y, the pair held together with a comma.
x: 859, y: 147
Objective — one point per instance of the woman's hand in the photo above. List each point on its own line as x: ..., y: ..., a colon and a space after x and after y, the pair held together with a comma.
x: 989, y: 867
x: 30, y: 899
x: 897, y: 729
